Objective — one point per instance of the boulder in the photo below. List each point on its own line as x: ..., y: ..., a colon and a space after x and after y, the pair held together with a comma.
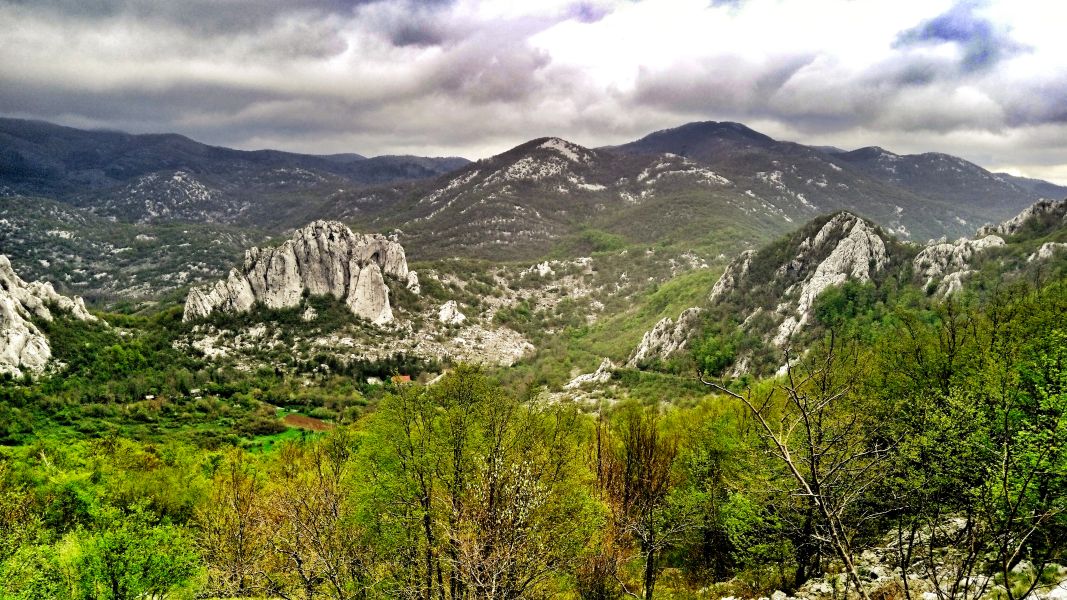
x: 413, y: 283
x: 1047, y: 250
x: 450, y: 314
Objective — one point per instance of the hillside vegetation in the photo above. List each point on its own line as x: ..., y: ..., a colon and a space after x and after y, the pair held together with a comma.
x: 915, y: 446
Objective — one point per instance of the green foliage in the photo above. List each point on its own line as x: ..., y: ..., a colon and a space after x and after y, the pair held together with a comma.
x: 713, y: 354
x: 123, y: 475
x: 596, y: 240
x: 130, y: 558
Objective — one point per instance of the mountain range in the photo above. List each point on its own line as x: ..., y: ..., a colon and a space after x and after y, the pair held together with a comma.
x: 708, y: 187
x: 710, y: 183
x: 159, y: 177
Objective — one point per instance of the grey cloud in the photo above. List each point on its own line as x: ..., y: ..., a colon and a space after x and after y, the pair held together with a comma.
x: 212, y: 17
x: 1045, y: 104
x: 723, y: 83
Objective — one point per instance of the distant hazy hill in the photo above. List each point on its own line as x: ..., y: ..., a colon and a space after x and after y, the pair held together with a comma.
x: 168, y: 176
x: 524, y: 202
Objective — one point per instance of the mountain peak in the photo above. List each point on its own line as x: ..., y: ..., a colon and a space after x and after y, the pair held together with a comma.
x: 869, y: 153
x: 570, y: 151
x: 700, y: 140
x: 555, y: 145
x: 712, y: 129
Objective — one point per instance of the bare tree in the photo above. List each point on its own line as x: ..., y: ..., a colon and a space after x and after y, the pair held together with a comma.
x: 639, y: 476
x: 817, y: 426
x: 313, y: 537
x: 232, y: 539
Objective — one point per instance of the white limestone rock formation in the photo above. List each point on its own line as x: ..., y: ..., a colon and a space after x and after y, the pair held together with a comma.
x: 450, y: 314
x: 733, y: 275
x: 413, y: 283
x: 1047, y: 250
x: 858, y: 253
x: 1055, y: 209
x: 23, y: 347
x: 322, y: 258
x: 666, y: 338
x: 601, y: 375
x: 946, y: 264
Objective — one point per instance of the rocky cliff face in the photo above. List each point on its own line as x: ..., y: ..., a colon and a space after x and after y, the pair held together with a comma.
x: 23, y: 348
x: 771, y: 293
x: 666, y: 338
x: 325, y: 257
x: 853, y: 250
x: 733, y: 274
x: 1050, y: 210
x: 776, y: 288
x: 947, y: 263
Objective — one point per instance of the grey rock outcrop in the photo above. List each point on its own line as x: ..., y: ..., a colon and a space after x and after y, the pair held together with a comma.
x: 323, y: 258
x: 734, y: 273
x: 601, y: 375
x: 666, y: 338
x: 1047, y: 250
x: 858, y: 252
x: 1053, y: 209
x: 23, y: 347
x: 946, y: 264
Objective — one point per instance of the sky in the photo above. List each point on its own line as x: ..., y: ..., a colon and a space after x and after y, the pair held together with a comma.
x: 985, y: 80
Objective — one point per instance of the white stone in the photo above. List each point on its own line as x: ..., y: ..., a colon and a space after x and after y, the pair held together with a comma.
x: 947, y: 263
x: 857, y: 256
x: 733, y: 275
x: 1037, y: 209
x: 369, y: 298
x: 449, y: 314
x: 1047, y: 250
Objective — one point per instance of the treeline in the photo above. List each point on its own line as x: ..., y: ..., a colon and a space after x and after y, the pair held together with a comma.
x: 936, y: 441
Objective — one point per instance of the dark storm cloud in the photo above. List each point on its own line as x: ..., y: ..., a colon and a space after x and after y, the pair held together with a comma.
x: 983, y: 43
x: 214, y: 17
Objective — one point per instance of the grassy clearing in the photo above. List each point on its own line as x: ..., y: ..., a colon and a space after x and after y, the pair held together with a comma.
x: 268, y: 443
